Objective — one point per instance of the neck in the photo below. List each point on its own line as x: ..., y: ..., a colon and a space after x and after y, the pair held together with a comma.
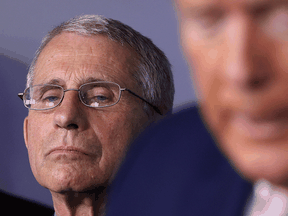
x: 90, y: 203
x: 281, y: 189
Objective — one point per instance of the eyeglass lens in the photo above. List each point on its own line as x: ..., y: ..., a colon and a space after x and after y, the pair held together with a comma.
x: 98, y: 94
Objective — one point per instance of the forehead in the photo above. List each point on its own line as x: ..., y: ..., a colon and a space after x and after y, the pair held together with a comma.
x: 73, y: 58
x: 186, y: 4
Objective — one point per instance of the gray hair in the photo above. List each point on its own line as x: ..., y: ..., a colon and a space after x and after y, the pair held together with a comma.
x: 154, y: 74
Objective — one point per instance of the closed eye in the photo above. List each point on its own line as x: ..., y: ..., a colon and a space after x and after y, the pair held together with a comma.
x: 51, y: 98
x: 101, y: 98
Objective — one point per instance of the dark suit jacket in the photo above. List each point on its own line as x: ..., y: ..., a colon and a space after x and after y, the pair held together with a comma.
x: 175, y: 168
x: 12, y: 205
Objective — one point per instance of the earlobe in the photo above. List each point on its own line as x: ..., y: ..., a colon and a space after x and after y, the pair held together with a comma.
x: 25, y: 131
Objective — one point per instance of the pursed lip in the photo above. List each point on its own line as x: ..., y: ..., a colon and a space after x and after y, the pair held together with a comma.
x: 261, y: 129
x: 67, y: 150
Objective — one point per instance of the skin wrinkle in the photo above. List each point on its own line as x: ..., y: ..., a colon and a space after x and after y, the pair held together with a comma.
x: 99, y: 67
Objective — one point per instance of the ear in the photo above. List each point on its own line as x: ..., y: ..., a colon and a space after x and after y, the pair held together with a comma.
x: 25, y: 131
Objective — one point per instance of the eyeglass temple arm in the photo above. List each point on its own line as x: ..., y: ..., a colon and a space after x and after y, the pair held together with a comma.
x: 20, y: 95
x: 154, y: 107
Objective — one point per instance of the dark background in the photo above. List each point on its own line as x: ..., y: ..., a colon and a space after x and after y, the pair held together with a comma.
x: 22, y: 26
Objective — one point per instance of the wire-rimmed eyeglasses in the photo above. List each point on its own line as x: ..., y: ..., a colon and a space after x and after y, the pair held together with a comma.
x: 95, y: 94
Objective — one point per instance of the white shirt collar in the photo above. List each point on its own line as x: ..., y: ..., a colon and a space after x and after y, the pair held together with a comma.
x: 267, y: 200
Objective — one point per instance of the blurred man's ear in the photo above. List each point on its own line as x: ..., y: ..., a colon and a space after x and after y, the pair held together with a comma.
x: 25, y: 131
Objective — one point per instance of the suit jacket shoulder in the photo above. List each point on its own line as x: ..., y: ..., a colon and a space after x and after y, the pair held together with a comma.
x: 175, y: 168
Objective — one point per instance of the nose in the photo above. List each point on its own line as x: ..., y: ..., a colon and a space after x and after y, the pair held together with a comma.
x: 246, y: 64
x: 70, y: 114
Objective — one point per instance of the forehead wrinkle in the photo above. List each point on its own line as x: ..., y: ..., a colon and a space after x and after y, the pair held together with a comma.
x: 97, y: 59
x: 83, y: 73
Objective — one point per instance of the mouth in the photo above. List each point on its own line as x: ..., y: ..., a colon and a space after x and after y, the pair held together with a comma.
x: 67, y: 150
x: 260, y: 128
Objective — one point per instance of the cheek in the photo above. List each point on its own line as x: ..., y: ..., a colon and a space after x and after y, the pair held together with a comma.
x: 281, y: 63
x: 34, y: 145
x: 207, y: 76
x: 32, y: 141
x: 32, y: 153
x: 116, y: 133
x: 209, y: 79
x: 205, y: 57
x: 34, y: 162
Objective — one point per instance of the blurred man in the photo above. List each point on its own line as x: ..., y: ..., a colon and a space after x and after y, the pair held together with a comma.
x: 94, y: 84
x: 237, y: 51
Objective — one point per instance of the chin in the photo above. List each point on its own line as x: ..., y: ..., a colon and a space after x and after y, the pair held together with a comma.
x: 73, y: 186
x: 269, y: 165
x: 63, y: 180
x: 277, y: 175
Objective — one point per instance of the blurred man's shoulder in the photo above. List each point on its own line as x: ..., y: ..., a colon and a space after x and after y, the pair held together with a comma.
x: 185, y: 122
x: 186, y: 114
x: 175, y: 168
x: 16, y: 205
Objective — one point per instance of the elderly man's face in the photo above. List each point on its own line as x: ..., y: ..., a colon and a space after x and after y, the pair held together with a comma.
x: 238, y: 50
x: 96, y: 138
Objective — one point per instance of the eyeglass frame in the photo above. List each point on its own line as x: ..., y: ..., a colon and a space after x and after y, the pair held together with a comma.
x: 21, y: 95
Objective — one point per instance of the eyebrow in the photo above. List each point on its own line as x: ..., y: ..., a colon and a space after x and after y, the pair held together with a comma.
x: 249, y: 4
x: 91, y: 79
x: 55, y: 81
x: 199, y: 8
x: 266, y: 4
x: 263, y: 2
x: 60, y: 82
